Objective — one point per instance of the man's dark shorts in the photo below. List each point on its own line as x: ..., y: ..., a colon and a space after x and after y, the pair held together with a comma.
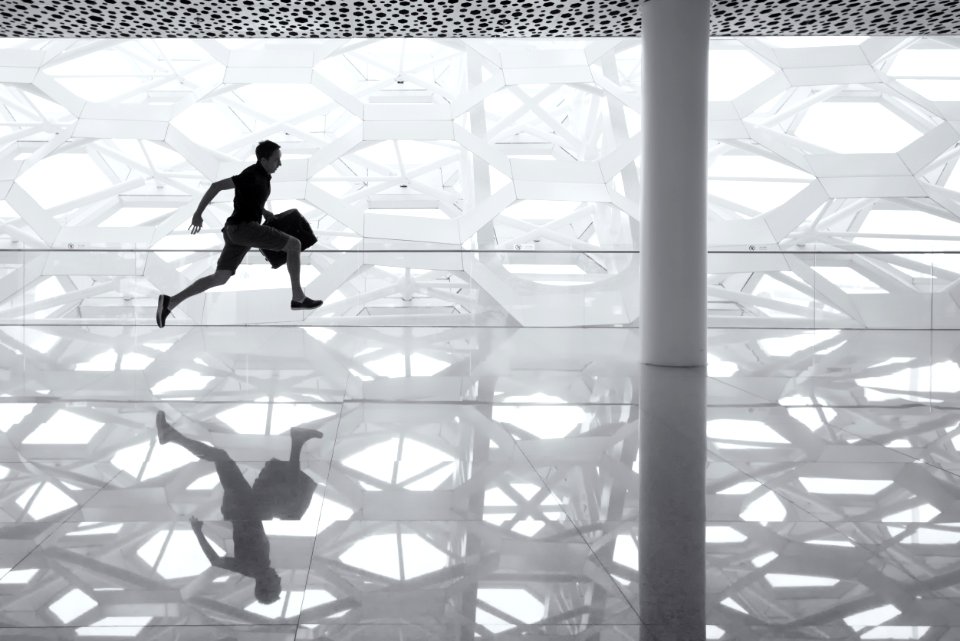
x: 238, y: 499
x: 238, y: 239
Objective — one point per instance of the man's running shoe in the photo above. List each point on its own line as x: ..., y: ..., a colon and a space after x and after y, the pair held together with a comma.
x: 163, y: 310
x: 306, y: 303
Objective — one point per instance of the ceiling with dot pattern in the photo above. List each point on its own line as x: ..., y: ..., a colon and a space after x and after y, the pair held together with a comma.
x: 448, y: 18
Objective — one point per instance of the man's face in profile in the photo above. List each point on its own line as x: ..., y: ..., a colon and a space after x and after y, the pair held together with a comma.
x: 272, y: 162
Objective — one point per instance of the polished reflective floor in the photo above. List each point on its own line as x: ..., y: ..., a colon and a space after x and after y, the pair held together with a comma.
x: 469, y: 483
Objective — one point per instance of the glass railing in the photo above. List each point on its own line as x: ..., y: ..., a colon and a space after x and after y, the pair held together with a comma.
x: 360, y: 288
x: 806, y: 289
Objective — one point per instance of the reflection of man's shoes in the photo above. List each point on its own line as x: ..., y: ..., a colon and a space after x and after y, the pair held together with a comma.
x: 163, y: 309
x: 304, y: 434
x: 306, y: 303
x: 163, y: 428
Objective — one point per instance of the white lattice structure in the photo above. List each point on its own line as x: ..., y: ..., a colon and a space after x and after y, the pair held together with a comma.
x: 480, y: 472
x: 388, y: 145
x: 858, y: 145
x: 451, y: 146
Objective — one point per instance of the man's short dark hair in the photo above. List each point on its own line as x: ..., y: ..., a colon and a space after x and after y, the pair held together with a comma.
x: 266, y: 148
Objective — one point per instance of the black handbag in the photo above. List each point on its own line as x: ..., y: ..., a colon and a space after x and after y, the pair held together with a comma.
x: 289, y: 222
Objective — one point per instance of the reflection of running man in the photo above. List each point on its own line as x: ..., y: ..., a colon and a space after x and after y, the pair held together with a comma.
x: 246, y: 507
x: 243, y: 231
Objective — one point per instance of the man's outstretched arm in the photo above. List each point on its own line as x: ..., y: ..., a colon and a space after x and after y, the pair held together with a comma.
x: 227, y: 563
x: 212, y: 191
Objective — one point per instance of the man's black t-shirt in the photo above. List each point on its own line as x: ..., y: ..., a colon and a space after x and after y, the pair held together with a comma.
x: 251, y: 190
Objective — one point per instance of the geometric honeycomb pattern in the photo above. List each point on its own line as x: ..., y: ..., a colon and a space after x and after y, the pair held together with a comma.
x: 474, y: 366
x: 432, y: 519
x: 832, y: 460
x: 480, y: 18
x: 495, y: 496
x: 853, y: 222
x: 459, y: 148
x: 486, y: 182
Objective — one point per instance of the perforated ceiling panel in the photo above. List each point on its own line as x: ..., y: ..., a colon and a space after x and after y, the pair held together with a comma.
x: 446, y: 18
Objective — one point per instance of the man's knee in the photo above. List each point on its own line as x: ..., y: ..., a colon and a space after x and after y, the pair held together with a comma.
x: 221, y: 276
x: 293, y: 245
x: 218, y: 455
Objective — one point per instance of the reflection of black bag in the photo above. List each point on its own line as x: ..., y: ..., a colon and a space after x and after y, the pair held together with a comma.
x: 289, y: 222
x: 284, y: 491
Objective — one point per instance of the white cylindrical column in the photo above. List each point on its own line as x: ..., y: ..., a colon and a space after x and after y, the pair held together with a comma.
x: 674, y: 237
x: 673, y: 320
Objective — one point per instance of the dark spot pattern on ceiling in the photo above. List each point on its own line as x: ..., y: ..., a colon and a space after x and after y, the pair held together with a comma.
x: 446, y: 18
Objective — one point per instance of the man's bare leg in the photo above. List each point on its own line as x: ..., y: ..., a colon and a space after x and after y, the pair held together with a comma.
x: 298, y: 299
x: 293, y: 268
x: 200, y: 285
x: 298, y: 438
x: 165, y: 304
x: 166, y: 433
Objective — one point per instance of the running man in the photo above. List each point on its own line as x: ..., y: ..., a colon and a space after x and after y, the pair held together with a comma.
x: 243, y: 230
